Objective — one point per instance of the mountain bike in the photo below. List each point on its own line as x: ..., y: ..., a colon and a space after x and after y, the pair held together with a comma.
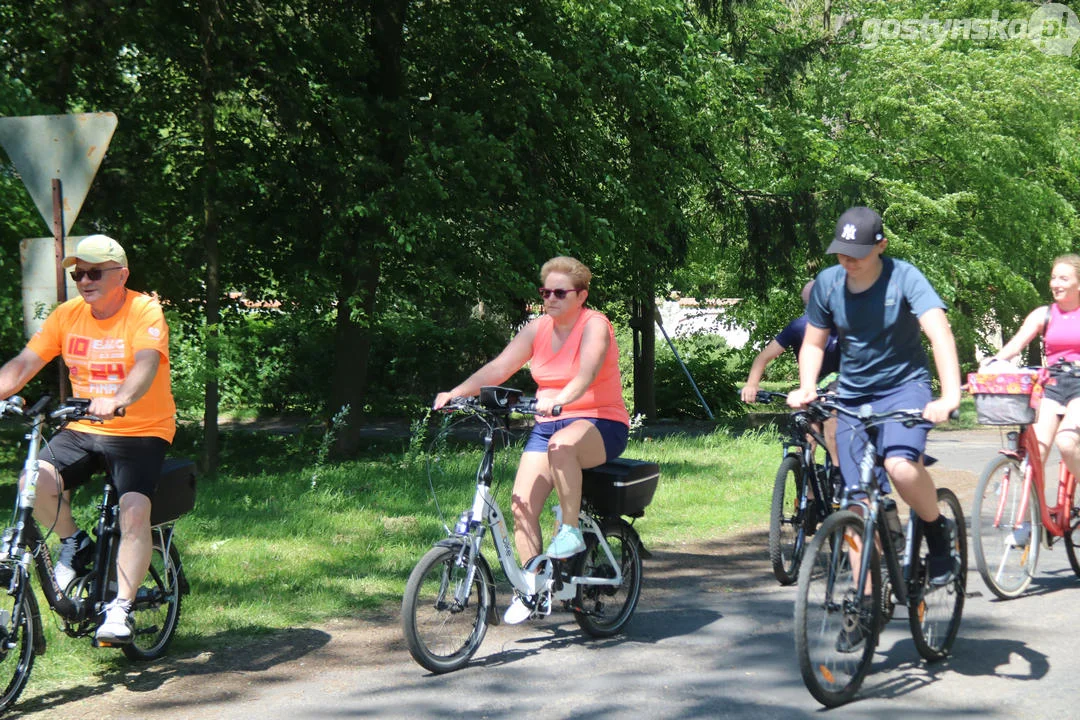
x: 800, y: 481
x: 80, y: 607
x: 838, y: 593
x: 450, y: 599
x: 1012, y: 518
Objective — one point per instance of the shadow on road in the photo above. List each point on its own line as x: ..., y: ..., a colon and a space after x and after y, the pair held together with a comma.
x: 257, y: 656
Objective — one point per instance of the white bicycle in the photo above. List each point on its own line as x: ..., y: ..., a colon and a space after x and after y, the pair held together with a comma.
x: 450, y: 596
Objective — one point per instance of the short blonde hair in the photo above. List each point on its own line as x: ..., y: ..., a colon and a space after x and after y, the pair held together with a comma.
x: 578, y: 271
x: 1070, y: 259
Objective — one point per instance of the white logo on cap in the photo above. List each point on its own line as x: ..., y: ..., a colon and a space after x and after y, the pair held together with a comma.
x: 848, y: 233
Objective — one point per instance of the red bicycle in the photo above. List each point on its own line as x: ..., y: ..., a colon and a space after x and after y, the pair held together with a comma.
x: 1012, y: 518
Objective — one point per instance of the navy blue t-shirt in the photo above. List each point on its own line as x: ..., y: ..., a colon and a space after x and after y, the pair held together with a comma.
x: 879, y: 332
x: 791, y: 337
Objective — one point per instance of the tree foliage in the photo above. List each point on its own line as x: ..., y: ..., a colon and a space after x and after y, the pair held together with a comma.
x: 344, y: 204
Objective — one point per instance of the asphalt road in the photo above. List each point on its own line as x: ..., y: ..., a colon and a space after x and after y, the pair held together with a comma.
x: 712, y: 637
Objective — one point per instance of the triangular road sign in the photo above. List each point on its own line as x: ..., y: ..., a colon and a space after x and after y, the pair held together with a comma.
x: 68, y: 147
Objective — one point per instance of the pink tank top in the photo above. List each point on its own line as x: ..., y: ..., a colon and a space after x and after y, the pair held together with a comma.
x: 1062, y: 335
x: 553, y: 370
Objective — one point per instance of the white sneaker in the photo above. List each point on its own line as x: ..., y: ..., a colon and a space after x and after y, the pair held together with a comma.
x: 518, y: 612
x: 568, y: 542
x: 71, y: 560
x: 117, y: 627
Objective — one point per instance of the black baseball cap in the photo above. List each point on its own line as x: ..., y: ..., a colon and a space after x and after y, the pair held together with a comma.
x: 857, y: 232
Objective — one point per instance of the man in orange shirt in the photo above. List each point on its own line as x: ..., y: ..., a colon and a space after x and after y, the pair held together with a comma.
x: 116, y: 346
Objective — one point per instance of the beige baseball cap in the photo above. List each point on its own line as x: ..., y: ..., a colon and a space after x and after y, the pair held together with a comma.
x: 96, y: 249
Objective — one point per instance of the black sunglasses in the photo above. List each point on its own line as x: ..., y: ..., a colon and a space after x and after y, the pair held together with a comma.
x: 559, y: 294
x: 93, y: 273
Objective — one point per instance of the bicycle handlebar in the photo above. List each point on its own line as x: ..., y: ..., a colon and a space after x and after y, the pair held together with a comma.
x: 498, y: 401
x: 908, y: 417
x: 824, y: 406
x: 767, y: 396
x: 70, y: 409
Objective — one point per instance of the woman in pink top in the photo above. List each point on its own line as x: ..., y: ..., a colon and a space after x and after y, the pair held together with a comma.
x: 575, y: 363
x: 1059, y: 410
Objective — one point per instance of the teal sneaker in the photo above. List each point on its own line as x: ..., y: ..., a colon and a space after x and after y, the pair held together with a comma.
x: 567, y: 543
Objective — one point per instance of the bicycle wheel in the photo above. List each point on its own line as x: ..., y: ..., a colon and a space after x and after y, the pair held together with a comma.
x: 934, y: 612
x: 1006, y: 544
x: 17, y: 639
x: 1072, y: 535
x: 156, y: 609
x: 787, y: 531
x: 444, y: 621
x: 603, y: 610
x: 827, y: 609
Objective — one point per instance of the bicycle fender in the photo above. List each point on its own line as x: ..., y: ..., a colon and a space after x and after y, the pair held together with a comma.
x: 31, y: 606
x: 485, y: 571
x: 629, y: 528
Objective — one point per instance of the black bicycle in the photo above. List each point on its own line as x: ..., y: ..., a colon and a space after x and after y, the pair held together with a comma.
x: 800, y: 480
x: 156, y: 607
x: 843, y: 603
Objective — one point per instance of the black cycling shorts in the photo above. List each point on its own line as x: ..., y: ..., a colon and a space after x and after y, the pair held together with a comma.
x: 134, y: 463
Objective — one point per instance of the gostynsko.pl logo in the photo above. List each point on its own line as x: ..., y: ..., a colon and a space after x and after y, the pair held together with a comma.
x: 1053, y: 28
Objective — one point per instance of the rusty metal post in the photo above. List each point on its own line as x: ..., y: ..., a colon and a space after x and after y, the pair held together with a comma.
x: 61, y: 285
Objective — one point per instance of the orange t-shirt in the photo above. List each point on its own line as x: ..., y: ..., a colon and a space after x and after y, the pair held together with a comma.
x: 100, y: 353
x: 553, y: 370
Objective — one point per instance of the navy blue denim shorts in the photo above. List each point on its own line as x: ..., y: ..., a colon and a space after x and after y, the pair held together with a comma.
x: 893, y: 439
x: 614, y: 433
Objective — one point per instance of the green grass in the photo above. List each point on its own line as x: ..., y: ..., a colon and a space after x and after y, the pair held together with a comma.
x: 277, y: 540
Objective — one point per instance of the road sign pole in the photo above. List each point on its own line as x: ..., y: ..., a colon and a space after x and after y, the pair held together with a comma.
x: 61, y: 286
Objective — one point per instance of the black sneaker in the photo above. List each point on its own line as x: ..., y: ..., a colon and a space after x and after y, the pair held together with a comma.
x: 76, y: 554
x: 810, y: 519
x: 941, y: 568
x: 853, y: 634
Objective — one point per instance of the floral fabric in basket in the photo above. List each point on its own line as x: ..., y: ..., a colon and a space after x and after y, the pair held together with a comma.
x: 1006, y: 398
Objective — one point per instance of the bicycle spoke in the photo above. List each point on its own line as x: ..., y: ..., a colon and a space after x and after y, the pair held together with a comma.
x: 1006, y: 528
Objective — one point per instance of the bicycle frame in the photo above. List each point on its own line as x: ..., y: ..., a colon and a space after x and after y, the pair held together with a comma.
x: 470, y: 530
x: 24, y: 541
x: 1055, y: 519
x: 801, y: 427
x: 899, y: 566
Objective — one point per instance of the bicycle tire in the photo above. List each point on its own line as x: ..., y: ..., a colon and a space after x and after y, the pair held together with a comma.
x: 826, y: 603
x: 441, y: 634
x: 155, y: 612
x: 1072, y: 535
x: 603, y: 610
x: 934, y: 613
x: 1005, y: 566
x: 787, y: 523
x: 16, y: 639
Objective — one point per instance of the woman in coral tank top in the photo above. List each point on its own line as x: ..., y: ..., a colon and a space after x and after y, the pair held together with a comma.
x: 573, y: 358
x: 1059, y: 323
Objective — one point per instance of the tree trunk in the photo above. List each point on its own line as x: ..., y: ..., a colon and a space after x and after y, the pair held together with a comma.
x: 211, y: 225
x: 644, y: 325
x: 360, y: 274
x: 352, y: 348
